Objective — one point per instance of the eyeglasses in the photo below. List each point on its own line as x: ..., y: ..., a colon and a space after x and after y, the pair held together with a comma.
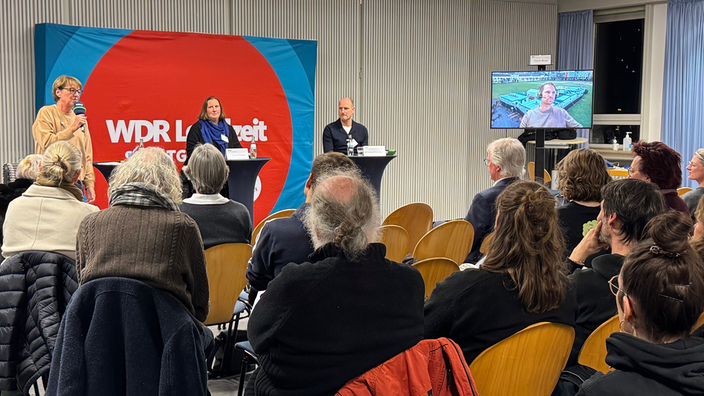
x: 486, y: 161
x: 613, y: 285
x: 73, y: 91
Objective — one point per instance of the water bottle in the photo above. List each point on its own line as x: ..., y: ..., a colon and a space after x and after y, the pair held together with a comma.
x: 253, y: 149
x: 350, y: 147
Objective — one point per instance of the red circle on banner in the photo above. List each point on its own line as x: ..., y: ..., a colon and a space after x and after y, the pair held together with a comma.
x: 154, y: 84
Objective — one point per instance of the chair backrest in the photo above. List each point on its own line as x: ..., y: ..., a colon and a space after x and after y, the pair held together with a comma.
x: 531, y: 170
x: 434, y: 270
x: 484, y: 247
x: 416, y: 218
x: 396, y: 240
x: 526, y: 363
x: 700, y: 322
x: 593, y: 353
x: 683, y: 190
x: 451, y: 240
x: 277, y: 215
x: 227, y: 269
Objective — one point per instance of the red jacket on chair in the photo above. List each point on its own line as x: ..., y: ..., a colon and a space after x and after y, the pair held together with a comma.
x: 431, y: 367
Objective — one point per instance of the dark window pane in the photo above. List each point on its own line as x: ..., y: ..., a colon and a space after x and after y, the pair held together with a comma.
x: 618, y: 64
x: 604, y: 134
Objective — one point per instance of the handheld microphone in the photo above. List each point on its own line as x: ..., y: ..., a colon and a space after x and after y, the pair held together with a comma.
x: 79, y: 109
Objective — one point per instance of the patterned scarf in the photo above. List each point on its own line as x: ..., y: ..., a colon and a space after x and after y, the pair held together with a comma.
x: 141, y: 194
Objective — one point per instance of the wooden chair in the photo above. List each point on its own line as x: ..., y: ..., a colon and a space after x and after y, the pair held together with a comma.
x: 593, y: 353
x: 416, y: 218
x: 227, y: 268
x: 618, y: 173
x: 531, y: 172
x: 277, y: 215
x: 484, y: 247
x: 700, y: 322
x: 396, y: 240
x: 451, y: 240
x: 526, y: 363
x: 434, y: 270
x: 683, y: 190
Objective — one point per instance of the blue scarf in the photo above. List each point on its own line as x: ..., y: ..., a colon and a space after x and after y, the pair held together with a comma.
x: 213, y: 133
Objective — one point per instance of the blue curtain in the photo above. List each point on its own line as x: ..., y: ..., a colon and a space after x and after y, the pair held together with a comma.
x: 576, y: 45
x: 683, y: 87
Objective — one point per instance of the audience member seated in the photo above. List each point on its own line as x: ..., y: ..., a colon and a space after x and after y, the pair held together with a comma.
x: 581, y: 174
x: 285, y: 240
x: 322, y: 323
x: 627, y: 207
x: 522, y: 281
x: 47, y: 215
x: 655, y: 162
x: 659, y: 295
x: 27, y: 171
x: 696, y: 173
x: 143, y: 236
x: 505, y: 159
x: 220, y: 220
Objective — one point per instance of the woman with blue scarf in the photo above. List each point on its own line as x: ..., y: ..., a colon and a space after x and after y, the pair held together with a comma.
x: 210, y: 128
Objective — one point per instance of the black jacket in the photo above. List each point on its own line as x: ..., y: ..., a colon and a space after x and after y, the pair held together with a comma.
x: 35, y: 288
x: 644, y: 368
x: 121, y: 337
x: 335, y: 138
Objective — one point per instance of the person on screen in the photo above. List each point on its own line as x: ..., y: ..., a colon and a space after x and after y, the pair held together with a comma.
x: 58, y: 122
x: 336, y: 133
x: 211, y: 128
x: 548, y: 116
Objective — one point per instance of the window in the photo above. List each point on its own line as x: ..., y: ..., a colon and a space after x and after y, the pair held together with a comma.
x: 618, y: 74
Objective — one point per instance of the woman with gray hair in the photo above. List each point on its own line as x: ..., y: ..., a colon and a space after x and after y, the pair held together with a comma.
x: 696, y: 173
x: 46, y: 217
x: 219, y: 219
x: 322, y: 323
x: 143, y: 235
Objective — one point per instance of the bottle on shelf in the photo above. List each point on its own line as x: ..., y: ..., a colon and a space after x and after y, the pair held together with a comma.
x: 253, y: 149
x: 615, y: 147
x: 627, y: 142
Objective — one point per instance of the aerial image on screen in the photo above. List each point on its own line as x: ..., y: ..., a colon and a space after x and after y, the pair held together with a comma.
x: 541, y: 99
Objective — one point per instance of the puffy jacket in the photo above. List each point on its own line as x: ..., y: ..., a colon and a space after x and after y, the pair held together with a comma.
x: 35, y: 288
x: 431, y: 367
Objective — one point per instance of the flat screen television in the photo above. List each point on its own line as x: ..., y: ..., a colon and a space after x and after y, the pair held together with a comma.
x: 542, y: 99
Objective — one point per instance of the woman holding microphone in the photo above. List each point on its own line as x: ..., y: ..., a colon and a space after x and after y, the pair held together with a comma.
x: 58, y: 122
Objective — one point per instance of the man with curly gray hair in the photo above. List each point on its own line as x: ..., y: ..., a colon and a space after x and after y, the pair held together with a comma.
x: 322, y: 323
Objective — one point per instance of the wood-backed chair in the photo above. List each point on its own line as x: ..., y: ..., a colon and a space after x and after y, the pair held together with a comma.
x: 593, y: 352
x: 434, y: 270
x: 278, y: 215
x: 531, y: 173
x: 526, y: 363
x: 700, y: 322
x: 683, y: 190
x: 416, y: 218
x: 452, y: 240
x: 484, y: 247
x: 396, y: 240
x: 227, y: 268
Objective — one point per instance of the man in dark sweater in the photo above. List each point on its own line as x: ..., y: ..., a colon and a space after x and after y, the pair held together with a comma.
x: 627, y: 206
x: 283, y: 241
x: 346, y: 311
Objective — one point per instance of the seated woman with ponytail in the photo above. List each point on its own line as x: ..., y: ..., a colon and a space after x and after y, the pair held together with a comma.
x: 659, y: 295
x: 323, y: 323
x: 46, y: 217
x: 522, y: 282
